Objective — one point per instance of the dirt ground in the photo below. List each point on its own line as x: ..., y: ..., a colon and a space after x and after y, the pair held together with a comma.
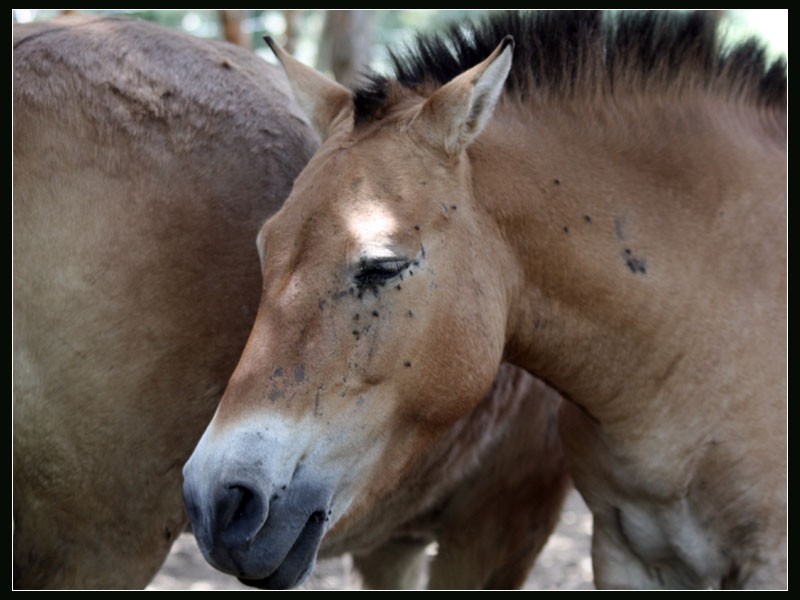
x: 563, y: 565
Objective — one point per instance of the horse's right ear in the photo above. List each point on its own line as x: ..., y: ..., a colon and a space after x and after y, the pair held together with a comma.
x: 324, y: 101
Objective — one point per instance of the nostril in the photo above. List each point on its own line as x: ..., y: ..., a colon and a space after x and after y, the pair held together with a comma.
x: 245, y: 503
x: 317, y: 517
x: 240, y: 514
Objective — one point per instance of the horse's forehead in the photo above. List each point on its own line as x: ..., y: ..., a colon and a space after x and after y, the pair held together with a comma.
x: 365, y: 169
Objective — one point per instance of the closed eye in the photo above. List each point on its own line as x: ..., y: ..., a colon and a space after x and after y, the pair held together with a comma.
x: 380, y: 270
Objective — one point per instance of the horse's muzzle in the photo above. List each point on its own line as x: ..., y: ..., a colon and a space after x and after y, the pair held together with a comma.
x: 265, y: 534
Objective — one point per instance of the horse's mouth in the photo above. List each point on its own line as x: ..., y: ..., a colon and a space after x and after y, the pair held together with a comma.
x: 300, y: 560
x: 255, y: 529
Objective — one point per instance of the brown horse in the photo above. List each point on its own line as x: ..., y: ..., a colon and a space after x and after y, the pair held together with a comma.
x: 140, y: 185
x: 607, y: 210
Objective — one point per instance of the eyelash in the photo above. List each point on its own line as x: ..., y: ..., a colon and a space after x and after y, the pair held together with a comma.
x: 379, y: 271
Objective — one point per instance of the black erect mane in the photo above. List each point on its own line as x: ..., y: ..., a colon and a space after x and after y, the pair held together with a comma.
x: 566, y: 53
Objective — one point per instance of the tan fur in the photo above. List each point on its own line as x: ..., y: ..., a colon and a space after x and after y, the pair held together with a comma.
x: 629, y: 250
x: 139, y: 187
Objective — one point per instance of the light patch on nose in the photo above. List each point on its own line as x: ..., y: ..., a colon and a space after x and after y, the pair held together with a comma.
x: 372, y: 228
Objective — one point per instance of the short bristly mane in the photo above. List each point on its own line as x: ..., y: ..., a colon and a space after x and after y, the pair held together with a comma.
x: 564, y: 54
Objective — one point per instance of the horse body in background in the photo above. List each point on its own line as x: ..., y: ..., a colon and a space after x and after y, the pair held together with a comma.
x: 607, y: 210
x: 138, y: 192
x: 145, y: 162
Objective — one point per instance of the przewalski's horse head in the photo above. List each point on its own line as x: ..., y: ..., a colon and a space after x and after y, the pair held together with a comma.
x: 588, y: 217
x: 352, y: 370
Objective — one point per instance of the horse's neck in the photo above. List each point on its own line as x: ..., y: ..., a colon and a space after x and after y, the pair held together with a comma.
x: 634, y: 247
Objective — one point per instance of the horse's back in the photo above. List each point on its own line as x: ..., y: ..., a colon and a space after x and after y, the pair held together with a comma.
x: 139, y: 187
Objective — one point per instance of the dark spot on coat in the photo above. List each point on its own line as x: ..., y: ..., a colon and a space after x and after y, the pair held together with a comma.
x: 375, y: 313
x: 627, y: 250
x: 277, y: 373
x: 356, y: 317
x: 398, y: 287
x: 636, y: 265
x: 416, y: 227
x: 167, y: 534
x: 407, y: 363
x: 226, y: 64
x: 322, y: 304
x: 300, y: 374
x: 453, y: 207
x: 355, y: 333
x: 275, y: 395
x: 566, y: 229
x: 556, y: 181
x: 410, y: 273
x: 587, y: 218
x: 409, y: 314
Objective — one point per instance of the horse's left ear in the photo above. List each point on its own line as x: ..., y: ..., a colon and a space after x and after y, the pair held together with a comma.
x: 457, y: 112
x: 324, y: 101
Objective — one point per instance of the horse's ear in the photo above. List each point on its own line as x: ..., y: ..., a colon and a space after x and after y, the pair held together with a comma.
x: 323, y: 100
x: 457, y: 112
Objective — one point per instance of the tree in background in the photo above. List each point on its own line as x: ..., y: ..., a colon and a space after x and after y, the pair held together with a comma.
x: 345, y: 47
x: 232, y: 30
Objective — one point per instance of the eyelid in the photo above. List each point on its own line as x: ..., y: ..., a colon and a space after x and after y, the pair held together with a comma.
x: 377, y: 270
x: 388, y: 262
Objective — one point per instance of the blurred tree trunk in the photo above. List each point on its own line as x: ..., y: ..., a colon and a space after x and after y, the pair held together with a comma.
x: 232, y: 27
x: 291, y: 17
x: 346, y: 43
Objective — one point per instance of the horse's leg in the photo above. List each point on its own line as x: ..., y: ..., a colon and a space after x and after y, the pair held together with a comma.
x: 399, y: 564
x: 492, y: 540
x: 499, y: 519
